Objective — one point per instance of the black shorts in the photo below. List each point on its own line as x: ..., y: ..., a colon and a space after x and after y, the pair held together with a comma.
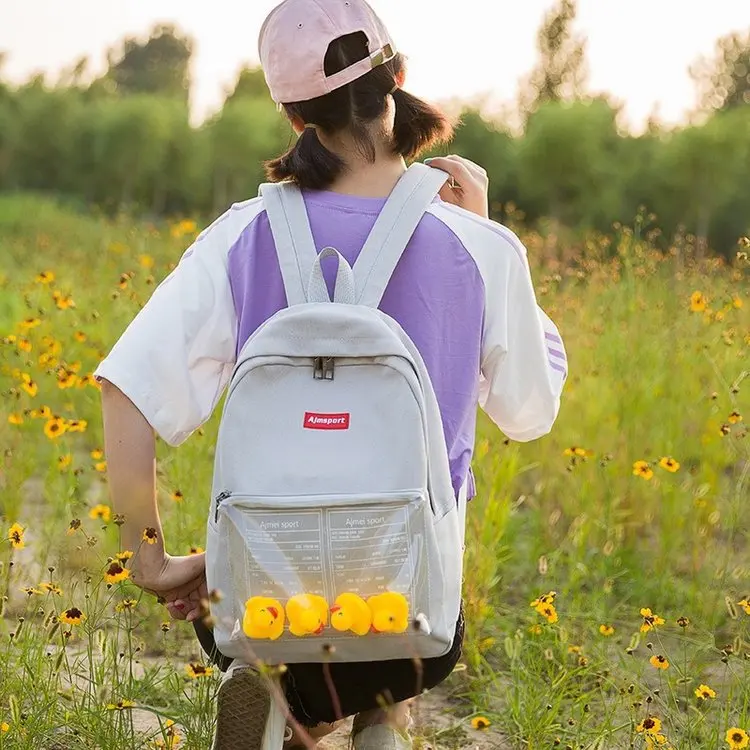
x: 359, y: 686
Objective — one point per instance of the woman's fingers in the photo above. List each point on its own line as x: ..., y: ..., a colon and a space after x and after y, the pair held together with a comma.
x: 453, y: 165
x: 177, y: 612
x: 470, y: 184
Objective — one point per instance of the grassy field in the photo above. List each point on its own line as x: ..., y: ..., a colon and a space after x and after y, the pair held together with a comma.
x: 634, y: 510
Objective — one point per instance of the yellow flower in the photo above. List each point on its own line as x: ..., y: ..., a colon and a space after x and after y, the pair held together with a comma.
x: 101, y: 512
x: 74, y: 525
x: 125, y: 604
x: 146, y: 261
x: 45, y: 277
x: 53, y: 345
x: 66, y: 378
x: 704, y: 691
x: 198, y: 670
x: 30, y: 323
x: 124, y: 556
x: 535, y: 629
x: 734, y: 418
x: 24, y: 345
x: 737, y: 302
x: 47, y: 360
x: 72, y: 616
x: 195, y: 550
x: 31, y: 590
x: 150, y: 535
x: 64, y: 461
x: 606, y: 630
x: 745, y: 604
x: 548, y: 598
x: 29, y: 386
x: 54, y: 427
x: 549, y: 612
x: 77, y: 425
x: 97, y: 454
x: 4, y: 726
x: 659, y: 662
x: 643, y: 469
x: 698, y: 302
x: 116, y: 573
x: 650, y: 725
x: 87, y: 379
x: 80, y: 337
x: 650, y: 620
x: 668, y: 463
x: 737, y: 738
x: 120, y: 705
x: 15, y: 536
x: 481, y: 722
x: 63, y: 301
x: 51, y: 588
x: 177, y: 496
x: 15, y: 419
x: 101, y: 466
x: 578, y: 452
x: 43, y: 412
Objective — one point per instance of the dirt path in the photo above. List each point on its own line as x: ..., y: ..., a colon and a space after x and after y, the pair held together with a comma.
x: 436, y: 727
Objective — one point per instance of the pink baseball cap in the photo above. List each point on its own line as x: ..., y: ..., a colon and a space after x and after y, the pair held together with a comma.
x: 295, y: 38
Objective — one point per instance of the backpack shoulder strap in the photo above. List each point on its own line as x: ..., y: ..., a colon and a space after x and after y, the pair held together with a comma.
x: 292, y: 236
x: 393, y: 229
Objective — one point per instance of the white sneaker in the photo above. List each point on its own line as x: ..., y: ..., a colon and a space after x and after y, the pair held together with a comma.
x: 248, y: 716
x: 381, y: 737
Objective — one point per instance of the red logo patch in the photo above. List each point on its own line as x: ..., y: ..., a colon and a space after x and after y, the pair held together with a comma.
x: 315, y: 421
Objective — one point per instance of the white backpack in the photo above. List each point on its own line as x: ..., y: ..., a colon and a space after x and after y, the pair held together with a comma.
x: 334, y: 531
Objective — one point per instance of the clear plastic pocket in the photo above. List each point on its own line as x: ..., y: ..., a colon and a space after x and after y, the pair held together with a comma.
x: 334, y: 568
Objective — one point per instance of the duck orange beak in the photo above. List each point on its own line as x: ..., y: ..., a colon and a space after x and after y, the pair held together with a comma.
x: 274, y: 612
x: 335, y: 608
x: 320, y: 629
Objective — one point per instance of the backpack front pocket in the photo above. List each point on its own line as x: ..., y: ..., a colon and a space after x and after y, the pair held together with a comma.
x: 315, y: 576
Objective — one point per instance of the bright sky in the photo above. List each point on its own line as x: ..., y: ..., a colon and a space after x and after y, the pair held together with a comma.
x: 639, y: 50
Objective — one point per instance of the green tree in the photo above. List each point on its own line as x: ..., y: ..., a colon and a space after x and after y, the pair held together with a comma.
x: 245, y: 134
x: 560, y: 73
x: 569, y: 162
x: 160, y: 65
x: 251, y: 84
x: 488, y: 144
x: 724, y: 81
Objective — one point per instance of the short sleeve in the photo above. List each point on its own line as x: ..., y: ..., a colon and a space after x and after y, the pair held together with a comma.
x: 176, y: 357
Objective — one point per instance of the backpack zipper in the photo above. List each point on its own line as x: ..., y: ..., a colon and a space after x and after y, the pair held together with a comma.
x: 220, y: 498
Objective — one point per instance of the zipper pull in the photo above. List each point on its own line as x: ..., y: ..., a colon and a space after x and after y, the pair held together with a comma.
x: 220, y: 498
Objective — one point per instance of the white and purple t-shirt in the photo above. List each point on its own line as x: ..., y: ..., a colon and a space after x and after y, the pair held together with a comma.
x: 462, y: 292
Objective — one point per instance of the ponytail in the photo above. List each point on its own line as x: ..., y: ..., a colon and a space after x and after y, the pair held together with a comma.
x: 418, y: 125
x: 353, y: 108
x: 309, y: 164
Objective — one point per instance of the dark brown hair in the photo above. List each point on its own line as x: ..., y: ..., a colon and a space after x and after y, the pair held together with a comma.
x: 355, y: 107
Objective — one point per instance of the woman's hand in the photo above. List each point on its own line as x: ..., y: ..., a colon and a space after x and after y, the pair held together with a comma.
x: 470, y: 187
x: 180, y: 582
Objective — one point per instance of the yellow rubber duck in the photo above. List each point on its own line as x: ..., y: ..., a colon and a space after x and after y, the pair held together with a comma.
x: 350, y: 612
x: 307, y: 613
x: 264, y: 618
x: 390, y: 612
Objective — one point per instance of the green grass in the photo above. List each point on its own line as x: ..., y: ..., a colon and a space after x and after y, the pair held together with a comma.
x: 649, y: 379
